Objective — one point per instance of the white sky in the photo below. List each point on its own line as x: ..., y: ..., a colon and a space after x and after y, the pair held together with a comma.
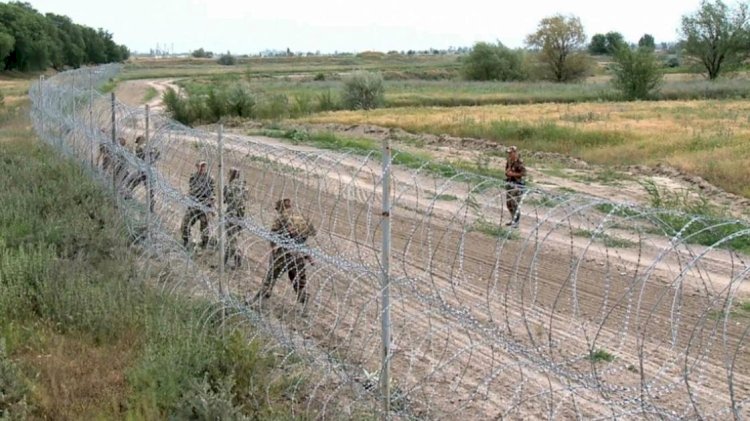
x: 250, y: 26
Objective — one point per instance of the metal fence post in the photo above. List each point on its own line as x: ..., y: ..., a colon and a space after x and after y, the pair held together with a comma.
x: 113, y: 154
x: 149, y: 186
x: 385, y: 282
x: 222, y: 239
x: 92, y: 133
x: 41, y: 104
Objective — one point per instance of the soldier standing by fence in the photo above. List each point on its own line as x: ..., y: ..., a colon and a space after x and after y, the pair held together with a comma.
x: 514, y: 185
x: 148, y: 157
x: 235, y: 196
x: 292, y: 229
x: 201, y: 189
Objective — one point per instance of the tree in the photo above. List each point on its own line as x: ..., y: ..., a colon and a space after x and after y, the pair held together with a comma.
x: 615, y: 40
x: 201, y: 53
x: 598, y: 44
x: 32, y: 41
x: 493, y: 62
x: 6, y: 46
x: 637, y: 73
x: 717, y: 36
x: 647, y: 41
x: 227, y: 59
x: 559, y: 40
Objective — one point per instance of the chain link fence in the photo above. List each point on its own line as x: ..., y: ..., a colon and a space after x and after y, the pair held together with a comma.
x: 590, y: 309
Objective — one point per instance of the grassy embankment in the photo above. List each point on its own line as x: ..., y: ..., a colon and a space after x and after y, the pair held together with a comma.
x: 84, y: 336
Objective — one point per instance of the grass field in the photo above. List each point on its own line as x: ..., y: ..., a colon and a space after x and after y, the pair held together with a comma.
x: 705, y: 138
x: 406, y: 91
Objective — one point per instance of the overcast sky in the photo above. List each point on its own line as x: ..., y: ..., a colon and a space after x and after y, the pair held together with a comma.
x: 249, y: 26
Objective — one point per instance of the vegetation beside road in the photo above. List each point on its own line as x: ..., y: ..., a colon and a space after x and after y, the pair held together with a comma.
x: 84, y: 336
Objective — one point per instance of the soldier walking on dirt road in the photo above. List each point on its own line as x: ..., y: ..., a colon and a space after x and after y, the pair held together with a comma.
x: 292, y: 229
x: 201, y: 189
x: 515, y: 171
x: 235, y: 196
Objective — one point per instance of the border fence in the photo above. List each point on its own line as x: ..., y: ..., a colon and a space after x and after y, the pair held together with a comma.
x: 421, y: 303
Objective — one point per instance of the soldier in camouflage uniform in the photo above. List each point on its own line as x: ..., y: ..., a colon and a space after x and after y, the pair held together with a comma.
x: 108, y: 155
x: 149, y: 157
x: 292, y: 229
x: 201, y: 189
x: 514, y: 185
x: 235, y: 196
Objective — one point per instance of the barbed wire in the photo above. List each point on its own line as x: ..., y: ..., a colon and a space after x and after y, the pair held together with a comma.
x: 590, y: 309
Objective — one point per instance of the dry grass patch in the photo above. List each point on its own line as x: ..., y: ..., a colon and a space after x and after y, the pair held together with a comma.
x: 705, y: 138
x: 75, y: 379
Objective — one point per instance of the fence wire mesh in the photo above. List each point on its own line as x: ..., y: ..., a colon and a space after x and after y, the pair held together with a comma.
x: 590, y: 309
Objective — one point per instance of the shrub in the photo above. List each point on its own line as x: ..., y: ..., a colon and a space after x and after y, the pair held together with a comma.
x: 320, y: 76
x: 241, y: 101
x: 494, y: 62
x: 201, y: 53
x: 227, y: 59
x: 176, y: 106
x: 326, y: 101
x: 364, y: 91
x: 637, y: 73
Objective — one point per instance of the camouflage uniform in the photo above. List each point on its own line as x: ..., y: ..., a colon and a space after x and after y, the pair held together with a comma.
x: 235, y: 196
x: 202, y: 190
x: 514, y: 187
x: 141, y: 177
x: 105, y: 155
x: 291, y: 228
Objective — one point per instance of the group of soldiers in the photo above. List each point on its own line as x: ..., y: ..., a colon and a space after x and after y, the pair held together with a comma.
x: 126, y: 182
x: 290, y: 230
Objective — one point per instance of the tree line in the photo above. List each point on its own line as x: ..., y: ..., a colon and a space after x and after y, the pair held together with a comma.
x: 716, y: 38
x: 31, y: 41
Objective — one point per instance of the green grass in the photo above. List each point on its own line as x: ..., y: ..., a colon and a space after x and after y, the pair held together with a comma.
x: 740, y: 309
x: 600, y: 355
x: 411, y: 89
x: 493, y: 230
x: 696, y: 220
x: 617, y: 210
x: 606, y: 239
x: 114, y: 347
x: 477, y: 174
x: 150, y: 94
x: 445, y: 197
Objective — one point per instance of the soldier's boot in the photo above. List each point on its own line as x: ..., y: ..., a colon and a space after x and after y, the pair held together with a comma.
x: 204, y: 242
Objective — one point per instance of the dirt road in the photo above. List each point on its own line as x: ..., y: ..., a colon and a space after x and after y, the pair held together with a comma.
x: 489, y: 325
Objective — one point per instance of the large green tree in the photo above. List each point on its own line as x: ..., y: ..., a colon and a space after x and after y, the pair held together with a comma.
x: 606, y: 43
x: 559, y: 40
x: 493, y: 62
x: 32, y: 41
x: 717, y: 36
x: 7, y: 42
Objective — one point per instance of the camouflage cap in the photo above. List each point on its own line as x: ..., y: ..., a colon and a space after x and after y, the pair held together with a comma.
x: 511, y: 149
x: 140, y: 139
